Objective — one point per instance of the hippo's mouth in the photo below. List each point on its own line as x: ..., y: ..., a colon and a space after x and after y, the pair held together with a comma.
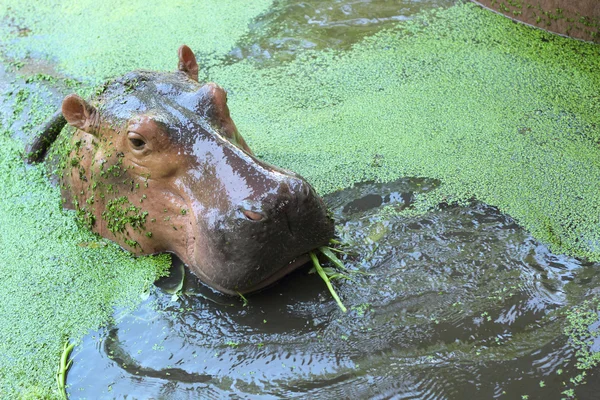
x: 294, y: 264
x: 280, y: 273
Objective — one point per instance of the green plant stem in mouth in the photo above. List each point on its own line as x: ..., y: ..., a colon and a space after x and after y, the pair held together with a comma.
x: 323, y: 276
x: 63, y: 367
x: 244, y: 299
x: 332, y: 257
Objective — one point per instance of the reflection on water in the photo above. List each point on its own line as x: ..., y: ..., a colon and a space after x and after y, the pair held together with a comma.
x: 458, y: 303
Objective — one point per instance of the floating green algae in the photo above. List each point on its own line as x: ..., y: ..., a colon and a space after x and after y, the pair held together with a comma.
x: 581, y: 328
x: 495, y: 110
x: 59, y: 280
x: 98, y: 40
x: 54, y: 285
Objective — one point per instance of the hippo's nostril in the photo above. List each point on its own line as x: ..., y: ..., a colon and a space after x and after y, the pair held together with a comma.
x: 253, y: 216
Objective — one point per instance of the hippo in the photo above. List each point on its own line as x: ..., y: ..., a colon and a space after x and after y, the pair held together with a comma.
x: 156, y: 164
x: 579, y: 19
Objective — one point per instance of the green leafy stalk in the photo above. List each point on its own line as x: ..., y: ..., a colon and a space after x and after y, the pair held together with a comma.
x: 323, y: 276
x: 337, y: 250
x: 244, y: 299
x: 63, y: 367
x: 332, y: 257
x: 328, y: 252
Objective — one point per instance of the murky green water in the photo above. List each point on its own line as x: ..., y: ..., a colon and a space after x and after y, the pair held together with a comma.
x: 289, y: 26
x: 458, y: 302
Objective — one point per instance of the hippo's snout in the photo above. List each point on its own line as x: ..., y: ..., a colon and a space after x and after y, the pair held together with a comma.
x: 261, y: 240
x: 291, y: 197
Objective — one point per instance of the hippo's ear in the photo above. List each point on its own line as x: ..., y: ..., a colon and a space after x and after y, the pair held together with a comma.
x: 79, y: 113
x: 187, y: 62
x: 216, y: 110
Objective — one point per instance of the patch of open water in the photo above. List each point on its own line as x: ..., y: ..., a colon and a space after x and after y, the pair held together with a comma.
x: 292, y: 26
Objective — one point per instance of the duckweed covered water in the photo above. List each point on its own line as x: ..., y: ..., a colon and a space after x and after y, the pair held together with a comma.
x: 58, y: 280
x: 493, y: 110
x: 94, y: 41
x: 497, y: 111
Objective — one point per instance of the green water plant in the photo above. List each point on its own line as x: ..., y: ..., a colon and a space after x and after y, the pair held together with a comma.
x: 327, y: 252
x: 328, y: 273
x: 244, y: 299
x: 63, y: 366
x: 581, y: 327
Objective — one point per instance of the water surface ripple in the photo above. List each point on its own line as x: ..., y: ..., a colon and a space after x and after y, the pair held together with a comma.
x: 457, y: 302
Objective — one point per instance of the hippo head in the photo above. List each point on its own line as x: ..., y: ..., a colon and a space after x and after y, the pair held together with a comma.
x: 157, y: 165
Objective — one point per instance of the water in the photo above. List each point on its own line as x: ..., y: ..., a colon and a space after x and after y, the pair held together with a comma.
x: 291, y: 26
x: 457, y: 303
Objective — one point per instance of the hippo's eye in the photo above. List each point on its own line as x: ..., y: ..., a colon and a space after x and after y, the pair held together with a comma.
x: 136, y: 141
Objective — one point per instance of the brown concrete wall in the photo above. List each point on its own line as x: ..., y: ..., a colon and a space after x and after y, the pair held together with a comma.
x: 576, y: 18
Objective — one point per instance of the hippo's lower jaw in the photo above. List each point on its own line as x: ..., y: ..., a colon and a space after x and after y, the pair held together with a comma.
x: 292, y: 266
x: 277, y: 275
